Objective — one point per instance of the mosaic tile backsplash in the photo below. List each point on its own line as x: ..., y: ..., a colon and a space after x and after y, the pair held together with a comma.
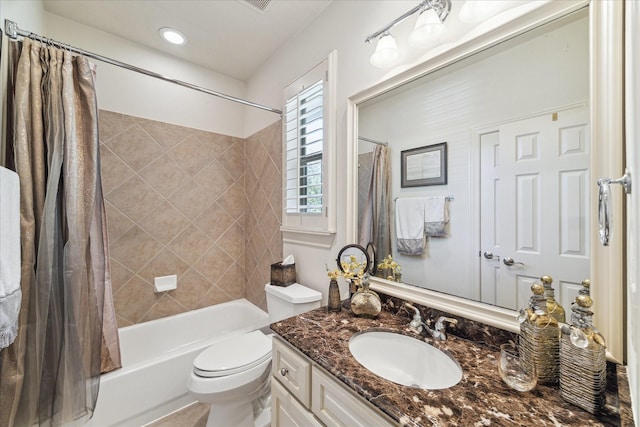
x: 197, y: 204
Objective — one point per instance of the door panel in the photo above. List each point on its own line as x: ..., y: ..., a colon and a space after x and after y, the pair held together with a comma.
x: 535, y: 197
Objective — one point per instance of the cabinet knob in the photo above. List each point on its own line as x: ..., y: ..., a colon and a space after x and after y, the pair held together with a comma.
x: 284, y: 372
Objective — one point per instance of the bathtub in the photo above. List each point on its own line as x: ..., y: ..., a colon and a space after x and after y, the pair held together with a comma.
x: 157, y: 357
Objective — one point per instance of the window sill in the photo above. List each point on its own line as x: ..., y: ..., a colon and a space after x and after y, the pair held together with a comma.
x: 318, y: 238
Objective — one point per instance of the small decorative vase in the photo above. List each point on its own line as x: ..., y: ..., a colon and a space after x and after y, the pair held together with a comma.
x: 398, y: 277
x: 365, y: 302
x: 334, y: 296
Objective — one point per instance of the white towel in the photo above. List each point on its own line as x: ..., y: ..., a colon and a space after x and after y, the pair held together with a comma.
x: 410, y: 225
x: 10, y: 293
x: 436, y: 216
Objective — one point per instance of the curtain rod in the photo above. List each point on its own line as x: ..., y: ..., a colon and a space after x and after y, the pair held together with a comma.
x: 373, y: 141
x: 12, y: 30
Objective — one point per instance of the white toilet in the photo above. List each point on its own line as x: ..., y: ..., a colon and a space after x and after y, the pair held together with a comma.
x: 234, y: 375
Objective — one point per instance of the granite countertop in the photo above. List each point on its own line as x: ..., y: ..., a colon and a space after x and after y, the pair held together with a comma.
x: 480, y: 399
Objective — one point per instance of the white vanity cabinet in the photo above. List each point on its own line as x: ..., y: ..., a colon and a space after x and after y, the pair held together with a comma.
x: 303, y: 394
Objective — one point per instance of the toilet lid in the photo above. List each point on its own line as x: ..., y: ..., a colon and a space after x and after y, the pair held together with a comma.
x: 233, y: 355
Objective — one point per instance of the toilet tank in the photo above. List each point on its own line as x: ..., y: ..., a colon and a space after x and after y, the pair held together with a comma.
x: 288, y: 301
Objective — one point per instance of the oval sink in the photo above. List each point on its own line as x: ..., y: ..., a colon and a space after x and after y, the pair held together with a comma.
x: 405, y: 360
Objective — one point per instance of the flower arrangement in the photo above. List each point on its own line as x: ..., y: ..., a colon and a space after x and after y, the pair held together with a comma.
x: 351, y: 270
x: 333, y: 274
x: 390, y: 265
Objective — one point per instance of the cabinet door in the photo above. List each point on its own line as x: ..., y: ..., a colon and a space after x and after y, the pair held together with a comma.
x: 336, y: 406
x: 293, y: 370
x: 286, y: 411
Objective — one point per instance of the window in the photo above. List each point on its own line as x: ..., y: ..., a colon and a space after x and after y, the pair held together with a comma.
x: 303, y: 146
x: 307, y: 152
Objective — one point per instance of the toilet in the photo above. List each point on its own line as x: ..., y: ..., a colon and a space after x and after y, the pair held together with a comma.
x: 234, y: 374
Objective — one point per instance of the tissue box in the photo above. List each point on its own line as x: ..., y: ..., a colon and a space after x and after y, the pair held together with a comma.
x: 283, y: 275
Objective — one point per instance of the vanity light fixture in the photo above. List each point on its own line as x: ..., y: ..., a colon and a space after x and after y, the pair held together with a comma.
x: 428, y: 29
x: 172, y: 35
x: 473, y: 11
x: 386, y: 54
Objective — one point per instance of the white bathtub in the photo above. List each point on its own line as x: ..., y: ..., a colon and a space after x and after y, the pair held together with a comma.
x: 157, y: 358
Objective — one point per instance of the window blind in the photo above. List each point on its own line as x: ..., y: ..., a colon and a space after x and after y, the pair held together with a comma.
x: 304, y: 140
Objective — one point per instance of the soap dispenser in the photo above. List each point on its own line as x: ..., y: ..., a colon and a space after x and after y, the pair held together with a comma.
x: 583, y: 364
x: 553, y: 308
x: 539, y: 338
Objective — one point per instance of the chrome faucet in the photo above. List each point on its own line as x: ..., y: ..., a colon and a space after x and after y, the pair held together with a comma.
x: 417, y: 324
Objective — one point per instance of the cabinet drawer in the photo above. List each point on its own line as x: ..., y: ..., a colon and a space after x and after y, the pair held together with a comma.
x: 287, y: 411
x: 293, y: 370
x: 336, y: 406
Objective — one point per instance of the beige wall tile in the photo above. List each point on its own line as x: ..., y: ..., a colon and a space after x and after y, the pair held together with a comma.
x: 135, y: 198
x: 192, y: 199
x: 164, y: 134
x: 135, y: 147
x: 194, y: 153
x: 134, y: 299
x: 112, y: 124
x: 214, y: 221
x: 119, y: 275
x: 164, y: 223
x: 117, y: 222
x: 233, y: 199
x: 166, y: 263
x: 214, y: 263
x: 135, y: 248
x: 166, y: 306
x: 114, y: 170
x: 191, y: 244
x: 164, y: 175
x: 192, y: 289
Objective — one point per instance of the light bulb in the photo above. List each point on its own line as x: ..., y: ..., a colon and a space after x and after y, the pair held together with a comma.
x: 386, y: 53
x: 428, y: 29
x: 172, y: 35
x: 473, y: 11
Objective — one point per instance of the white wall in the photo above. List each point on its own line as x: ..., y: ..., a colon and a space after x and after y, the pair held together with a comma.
x: 135, y: 94
x: 537, y: 75
x: 344, y: 26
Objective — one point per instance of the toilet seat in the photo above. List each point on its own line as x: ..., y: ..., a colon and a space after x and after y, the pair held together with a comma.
x: 231, y: 356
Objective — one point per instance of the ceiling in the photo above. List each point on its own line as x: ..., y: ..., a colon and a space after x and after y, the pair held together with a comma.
x: 231, y: 37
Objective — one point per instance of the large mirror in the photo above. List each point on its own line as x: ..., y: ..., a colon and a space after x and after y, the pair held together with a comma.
x: 514, y: 205
x: 515, y: 110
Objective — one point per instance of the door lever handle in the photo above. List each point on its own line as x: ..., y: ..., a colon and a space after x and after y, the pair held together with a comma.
x: 489, y: 255
x: 605, y: 217
x: 508, y: 261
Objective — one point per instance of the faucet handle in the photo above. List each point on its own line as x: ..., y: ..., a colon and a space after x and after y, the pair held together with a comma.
x: 439, y: 331
x: 440, y: 322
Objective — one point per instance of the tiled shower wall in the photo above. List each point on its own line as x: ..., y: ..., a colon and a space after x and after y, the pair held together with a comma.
x: 176, y: 204
x: 263, y: 192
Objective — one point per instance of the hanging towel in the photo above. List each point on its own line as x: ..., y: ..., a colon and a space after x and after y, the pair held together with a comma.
x: 410, y: 225
x: 436, y: 216
x: 10, y: 293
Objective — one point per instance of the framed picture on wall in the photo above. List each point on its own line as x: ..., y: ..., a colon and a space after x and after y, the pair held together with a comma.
x: 424, y: 166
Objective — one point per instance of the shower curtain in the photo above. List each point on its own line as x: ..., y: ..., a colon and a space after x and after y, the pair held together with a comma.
x: 67, y: 330
x: 375, y: 222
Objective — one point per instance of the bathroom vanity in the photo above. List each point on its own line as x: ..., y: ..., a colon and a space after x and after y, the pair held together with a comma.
x: 316, y: 381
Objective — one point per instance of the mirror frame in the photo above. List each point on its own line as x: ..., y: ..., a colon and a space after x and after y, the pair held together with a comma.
x: 606, y: 124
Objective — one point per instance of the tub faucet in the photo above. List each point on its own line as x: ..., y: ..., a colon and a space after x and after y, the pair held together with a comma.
x: 417, y: 325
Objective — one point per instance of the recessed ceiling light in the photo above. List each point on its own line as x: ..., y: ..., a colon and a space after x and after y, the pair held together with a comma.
x: 172, y: 35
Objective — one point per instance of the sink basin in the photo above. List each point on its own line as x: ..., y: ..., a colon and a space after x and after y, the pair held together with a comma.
x: 405, y: 360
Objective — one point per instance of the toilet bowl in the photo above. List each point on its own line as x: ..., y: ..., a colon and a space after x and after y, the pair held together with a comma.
x: 234, y: 374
